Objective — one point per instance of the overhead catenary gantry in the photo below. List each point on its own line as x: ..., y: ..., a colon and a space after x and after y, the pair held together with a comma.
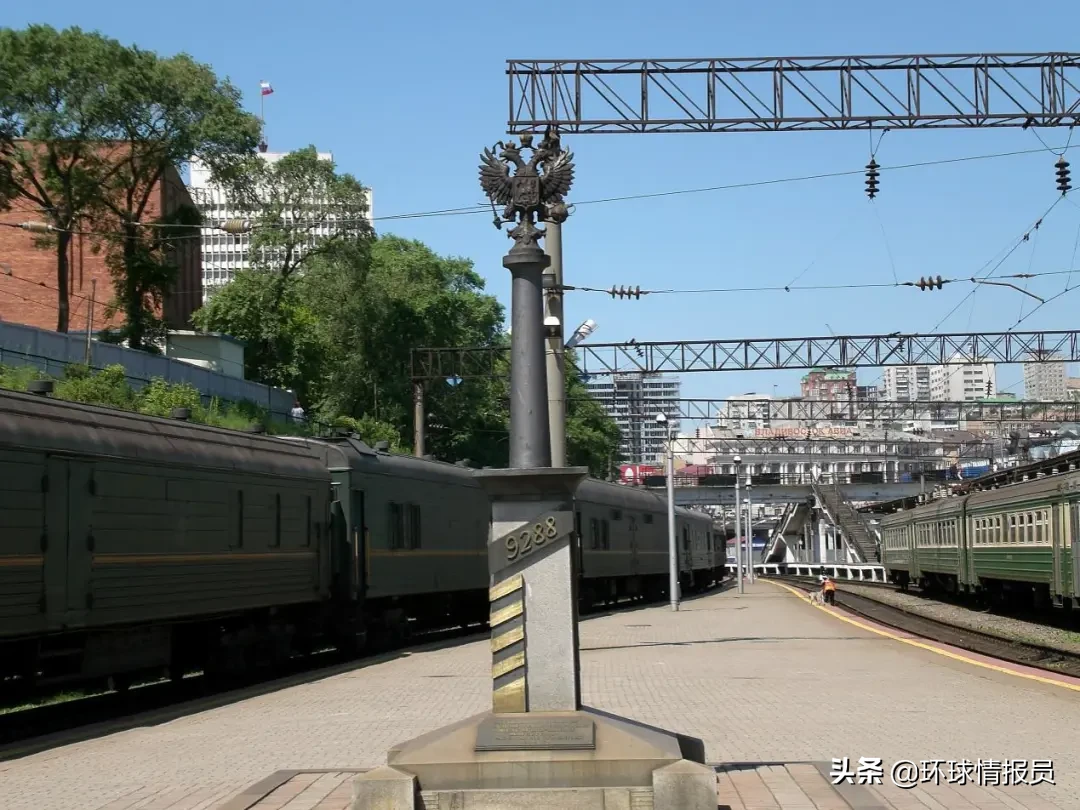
x: 797, y: 409
x: 783, y: 94
x: 754, y: 354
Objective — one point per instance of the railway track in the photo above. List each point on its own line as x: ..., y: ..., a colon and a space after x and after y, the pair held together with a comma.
x: 1026, y: 653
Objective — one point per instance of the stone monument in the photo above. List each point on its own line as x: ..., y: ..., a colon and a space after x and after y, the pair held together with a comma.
x: 538, y: 747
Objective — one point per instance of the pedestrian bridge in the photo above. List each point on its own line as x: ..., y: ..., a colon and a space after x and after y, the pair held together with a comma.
x: 790, y: 493
x: 858, y: 572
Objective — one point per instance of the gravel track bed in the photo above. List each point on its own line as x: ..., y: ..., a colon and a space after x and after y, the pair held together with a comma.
x: 1003, y: 627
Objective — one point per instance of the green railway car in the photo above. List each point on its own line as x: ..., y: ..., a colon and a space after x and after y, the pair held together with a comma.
x: 130, y: 543
x: 1016, y: 543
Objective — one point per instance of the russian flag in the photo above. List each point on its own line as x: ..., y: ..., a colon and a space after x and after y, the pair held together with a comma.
x: 266, y: 88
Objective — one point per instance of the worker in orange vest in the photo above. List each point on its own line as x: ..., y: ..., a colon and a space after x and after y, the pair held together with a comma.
x: 828, y: 591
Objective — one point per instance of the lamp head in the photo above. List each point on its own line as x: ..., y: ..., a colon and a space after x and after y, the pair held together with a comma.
x: 737, y: 459
x: 661, y: 419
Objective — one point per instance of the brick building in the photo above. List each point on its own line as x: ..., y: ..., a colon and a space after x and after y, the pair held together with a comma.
x: 28, y: 293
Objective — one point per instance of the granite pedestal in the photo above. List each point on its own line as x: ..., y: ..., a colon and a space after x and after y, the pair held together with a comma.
x: 538, y: 748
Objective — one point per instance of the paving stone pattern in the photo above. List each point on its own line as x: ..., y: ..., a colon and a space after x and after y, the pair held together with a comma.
x: 763, y: 677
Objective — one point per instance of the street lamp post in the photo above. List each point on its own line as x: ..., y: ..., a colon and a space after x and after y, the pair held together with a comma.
x: 749, y: 531
x: 673, y: 554
x: 738, y: 526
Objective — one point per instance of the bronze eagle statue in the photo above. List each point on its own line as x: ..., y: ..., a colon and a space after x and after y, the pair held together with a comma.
x: 543, y: 180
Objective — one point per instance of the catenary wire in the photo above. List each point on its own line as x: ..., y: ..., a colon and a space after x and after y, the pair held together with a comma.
x: 485, y: 207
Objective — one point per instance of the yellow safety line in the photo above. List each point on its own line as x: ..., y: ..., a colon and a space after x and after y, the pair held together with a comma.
x: 931, y: 648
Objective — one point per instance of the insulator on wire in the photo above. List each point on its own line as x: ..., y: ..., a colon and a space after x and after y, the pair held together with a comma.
x: 1063, y: 183
x: 37, y: 227
x: 236, y: 226
x: 931, y: 283
x: 872, y: 178
x: 625, y: 292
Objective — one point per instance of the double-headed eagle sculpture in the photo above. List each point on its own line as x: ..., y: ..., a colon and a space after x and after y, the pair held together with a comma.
x: 536, y: 189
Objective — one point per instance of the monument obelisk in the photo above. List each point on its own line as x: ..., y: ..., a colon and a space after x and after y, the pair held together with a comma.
x: 538, y: 747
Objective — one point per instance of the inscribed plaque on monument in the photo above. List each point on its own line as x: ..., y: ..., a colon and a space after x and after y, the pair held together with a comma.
x: 535, y: 733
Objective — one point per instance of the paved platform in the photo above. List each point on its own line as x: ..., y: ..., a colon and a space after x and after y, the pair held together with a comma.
x: 763, y: 678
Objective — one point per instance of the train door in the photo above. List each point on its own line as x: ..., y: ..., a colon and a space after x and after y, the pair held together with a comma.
x: 686, y: 547
x: 1053, y: 525
x: 73, y: 494
x: 1074, y: 540
x: 360, y: 545
x: 632, y: 528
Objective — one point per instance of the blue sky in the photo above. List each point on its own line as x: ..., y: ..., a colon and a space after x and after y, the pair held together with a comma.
x: 406, y: 96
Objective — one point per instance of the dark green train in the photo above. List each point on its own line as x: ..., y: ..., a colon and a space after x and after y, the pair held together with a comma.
x: 133, y: 546
x: 1015, y: 544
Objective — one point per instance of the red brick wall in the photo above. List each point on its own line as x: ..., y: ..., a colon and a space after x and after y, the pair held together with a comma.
x: 28, y: 292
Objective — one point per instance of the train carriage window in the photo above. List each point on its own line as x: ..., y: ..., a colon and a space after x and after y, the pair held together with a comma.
x: 277, y: 520
x: 240, y: 518
x: 307, y: 533
x: 594, y: 533
x: 412, y: 526
x: 1012, y: 529
x: 605, y: 535
x: 396, y: 538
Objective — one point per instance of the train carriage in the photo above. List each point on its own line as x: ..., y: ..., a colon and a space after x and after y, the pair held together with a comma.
x: 124, y: 537
x: 1016, y: 543
x: 132, y: 545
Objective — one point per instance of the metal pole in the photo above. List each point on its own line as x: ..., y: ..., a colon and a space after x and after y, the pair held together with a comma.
x: 418, y: 419
x: 673, y: 552
x: 90, y: 321
x: 749, y: 532
x: 738, y: 532
x: 556, y: 364
x: 530, y: 441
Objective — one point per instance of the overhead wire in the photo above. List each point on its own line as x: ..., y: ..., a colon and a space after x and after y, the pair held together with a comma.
x: 810, y: 287
x: 484, y: 208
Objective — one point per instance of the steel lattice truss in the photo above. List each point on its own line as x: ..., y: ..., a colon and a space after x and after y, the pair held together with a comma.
x: 784, y: 448
x: 808, y: 410
x: 844, y: 351
x: 794, y: 93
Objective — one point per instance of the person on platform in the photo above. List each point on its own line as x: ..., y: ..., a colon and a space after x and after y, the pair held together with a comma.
x: 828, y: 590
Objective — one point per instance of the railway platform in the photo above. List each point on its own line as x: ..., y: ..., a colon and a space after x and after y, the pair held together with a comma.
x: 787, y: 697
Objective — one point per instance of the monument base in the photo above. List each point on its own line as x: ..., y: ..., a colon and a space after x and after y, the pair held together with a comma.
x: 585, y: 759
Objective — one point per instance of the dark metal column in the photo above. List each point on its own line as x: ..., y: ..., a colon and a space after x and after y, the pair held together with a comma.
x: 530, y: 439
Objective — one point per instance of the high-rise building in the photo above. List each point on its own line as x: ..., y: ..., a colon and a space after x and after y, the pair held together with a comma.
x: 633, y: 401
x: 1045, y: 380
x: 907, y: 383
x: 224, y: 254
x: 961, y: 381
x: 746, y: 412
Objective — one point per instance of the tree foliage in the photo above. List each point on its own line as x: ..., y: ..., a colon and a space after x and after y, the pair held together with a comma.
x: 89, y: 129
x: 55, y: 89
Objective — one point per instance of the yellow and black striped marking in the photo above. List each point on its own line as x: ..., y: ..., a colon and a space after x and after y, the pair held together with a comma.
x: 507, y: 603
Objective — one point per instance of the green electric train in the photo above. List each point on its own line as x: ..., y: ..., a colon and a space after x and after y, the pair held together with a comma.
x: 1016, y: 544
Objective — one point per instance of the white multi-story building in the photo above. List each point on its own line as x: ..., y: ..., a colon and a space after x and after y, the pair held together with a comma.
x: 1046, y: 381
x: 907, y: 383
x: 224, y: 254
x: 745, y: 412
x: 634, y: 400
x: 960, y: 381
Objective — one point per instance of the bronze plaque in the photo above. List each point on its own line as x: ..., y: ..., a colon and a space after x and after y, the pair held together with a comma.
x: 535, y: 733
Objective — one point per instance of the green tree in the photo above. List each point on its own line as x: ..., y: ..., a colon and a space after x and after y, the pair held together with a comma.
x: 370, y: 318
x: 163, y: 111
x: 55, y: 114
x: 592, y: 437
x: 306, y: 217
x: 283, y: 346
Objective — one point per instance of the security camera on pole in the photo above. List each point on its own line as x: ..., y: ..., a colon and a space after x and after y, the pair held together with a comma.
x: 673, y: 552
x: 738, y: 525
